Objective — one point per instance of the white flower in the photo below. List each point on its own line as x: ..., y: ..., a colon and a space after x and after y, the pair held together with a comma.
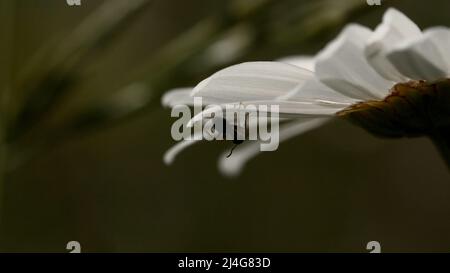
x: 358, y: 66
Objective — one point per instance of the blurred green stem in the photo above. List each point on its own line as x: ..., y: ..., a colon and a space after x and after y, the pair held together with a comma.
x: 59, y: 67
x: 186, y: 59
x: 7, y: 11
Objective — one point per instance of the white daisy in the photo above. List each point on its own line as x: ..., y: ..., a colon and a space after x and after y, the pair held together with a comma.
x: 391, y: 81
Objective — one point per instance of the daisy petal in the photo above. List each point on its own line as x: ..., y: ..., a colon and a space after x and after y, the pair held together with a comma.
x: 395, y: 28
x: 314, y: 90
x: 424, y: 58
x: 252, y: 81
x: 172, y: 153
x: 178, y: 96
x: 286, y: 109
x: 182, y: 96
x: 303, y: 108
x: 306, y: 62
x: 233, y: 165
x: 343, y: 66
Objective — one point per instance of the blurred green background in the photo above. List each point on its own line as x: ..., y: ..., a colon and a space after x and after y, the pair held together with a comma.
x: 83, y: 135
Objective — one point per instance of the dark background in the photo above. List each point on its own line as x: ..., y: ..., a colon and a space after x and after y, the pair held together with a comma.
x: 99, y: 178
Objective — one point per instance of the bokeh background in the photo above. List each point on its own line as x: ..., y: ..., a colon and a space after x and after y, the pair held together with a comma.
x: 83, y: 135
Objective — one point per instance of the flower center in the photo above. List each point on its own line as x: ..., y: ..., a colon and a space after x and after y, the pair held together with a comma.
x: 414, y: 108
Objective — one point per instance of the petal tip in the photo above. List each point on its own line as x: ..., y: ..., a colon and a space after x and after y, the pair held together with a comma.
x: 229, y: 167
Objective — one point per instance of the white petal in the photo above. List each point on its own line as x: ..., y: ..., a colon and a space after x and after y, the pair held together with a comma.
x: 441, y: 39
x: 252, y: 81
x: 394, y: 29
x: 306, y: 62
x: 319, y: 108
x: 172, y: 153
x: 287, y: 109
x: 314, y: 90
x: 182, y: 96
x: 233, y: 165
x: 178, y: 96
x: 343, y: 66
x: 424, y: 58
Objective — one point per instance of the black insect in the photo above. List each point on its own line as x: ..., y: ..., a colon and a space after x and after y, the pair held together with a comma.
x: 236, y: 142
x: 235, y: 139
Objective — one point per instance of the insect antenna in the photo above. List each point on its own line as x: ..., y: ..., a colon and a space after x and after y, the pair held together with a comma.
x: 232, y: 149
